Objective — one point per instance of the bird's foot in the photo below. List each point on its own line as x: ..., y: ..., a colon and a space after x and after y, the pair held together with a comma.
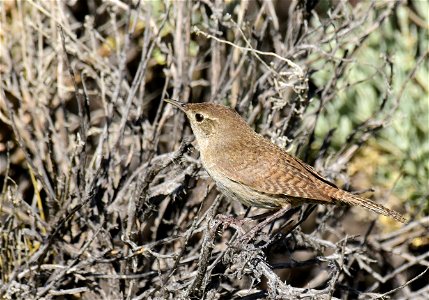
x: 229, y: 221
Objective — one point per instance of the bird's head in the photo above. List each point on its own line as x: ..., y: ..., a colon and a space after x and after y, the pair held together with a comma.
x: 208, y: 119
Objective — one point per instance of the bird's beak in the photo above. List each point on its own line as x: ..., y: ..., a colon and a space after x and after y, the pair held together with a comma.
x: 178, y: 104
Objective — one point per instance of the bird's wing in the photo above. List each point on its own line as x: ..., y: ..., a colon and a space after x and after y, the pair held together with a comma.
x: 270, y: 170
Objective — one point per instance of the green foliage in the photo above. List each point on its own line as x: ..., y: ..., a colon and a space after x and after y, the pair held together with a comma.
x: 404, y: 142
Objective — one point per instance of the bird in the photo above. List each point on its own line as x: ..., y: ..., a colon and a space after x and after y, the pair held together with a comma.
x: 251, y: 169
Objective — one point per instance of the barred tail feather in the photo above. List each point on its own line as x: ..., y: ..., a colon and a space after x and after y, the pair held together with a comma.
x: 368, y: 204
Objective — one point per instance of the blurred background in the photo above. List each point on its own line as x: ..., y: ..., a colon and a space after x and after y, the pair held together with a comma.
x: 102, y: 192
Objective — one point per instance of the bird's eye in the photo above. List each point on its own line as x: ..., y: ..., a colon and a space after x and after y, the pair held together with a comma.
x: 199, y: 117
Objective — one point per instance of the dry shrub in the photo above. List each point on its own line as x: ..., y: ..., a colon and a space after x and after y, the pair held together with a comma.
x: 103, y: 195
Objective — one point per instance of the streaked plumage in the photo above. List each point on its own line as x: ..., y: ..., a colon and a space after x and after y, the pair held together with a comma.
x: 250, y: 168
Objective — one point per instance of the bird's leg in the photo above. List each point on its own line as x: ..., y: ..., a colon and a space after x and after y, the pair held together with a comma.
x: 279, y: 232
x: 238, y: 222
x: 247, y: 212
x: 251, y: 233
x: 228, y: 221
x: 262, y: 216
x: 257, y: 217
x: 245, y: 216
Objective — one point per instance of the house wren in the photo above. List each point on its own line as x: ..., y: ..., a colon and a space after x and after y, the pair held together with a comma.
x: 251, y: 169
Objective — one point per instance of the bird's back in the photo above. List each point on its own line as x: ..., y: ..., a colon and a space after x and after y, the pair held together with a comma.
x: 260, y: 165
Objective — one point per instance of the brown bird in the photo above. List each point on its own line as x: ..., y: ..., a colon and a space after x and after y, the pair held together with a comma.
x: 251, y: 169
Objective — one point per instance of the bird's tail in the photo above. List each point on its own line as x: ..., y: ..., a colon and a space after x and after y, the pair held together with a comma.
x: 347, y: 198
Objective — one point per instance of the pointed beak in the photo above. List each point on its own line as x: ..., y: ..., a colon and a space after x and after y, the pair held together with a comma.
x: 178, y: 104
